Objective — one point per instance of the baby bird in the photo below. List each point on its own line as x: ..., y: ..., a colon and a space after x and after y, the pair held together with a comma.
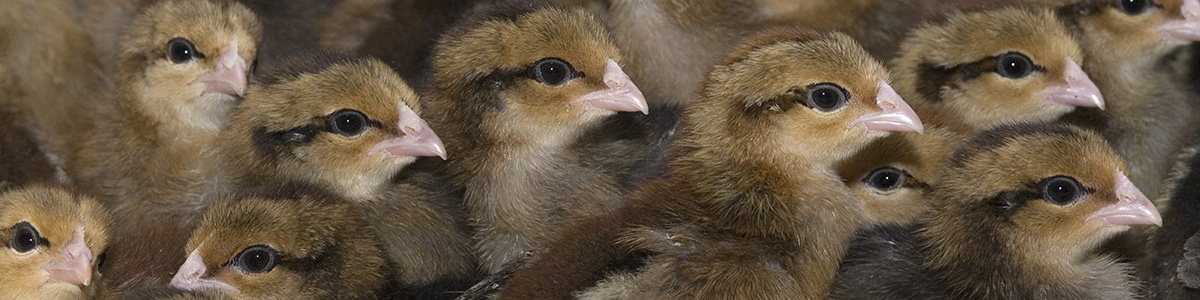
x: 513, y: 88
x: 1130, y: 47
x: 995, y: 67
x: 1017, y: 214
x: 52, y: 243
x: 284, y: 241
x: 353, y: 125
x: 348, y: 123
x: 754, y: 163
x: 183, y: 67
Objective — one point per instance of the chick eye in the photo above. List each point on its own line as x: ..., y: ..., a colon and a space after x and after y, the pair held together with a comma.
x: 1014, y: 65
x: 181, y: 50
x: 1133, y: 7
x: 884, y: 179
x: 257, y: 259
x: 826, y: 96
x: 552, y: 71
x: 24, y: 237
x: 347, y: 122
x: 1060, y: 190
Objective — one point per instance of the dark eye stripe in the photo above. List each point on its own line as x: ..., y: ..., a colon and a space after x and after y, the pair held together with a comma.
x: 795, y: 96
x: 931, y: 78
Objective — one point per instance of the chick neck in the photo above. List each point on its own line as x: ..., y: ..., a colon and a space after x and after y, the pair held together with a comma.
x: 977, y: 259
x: 754, y: 191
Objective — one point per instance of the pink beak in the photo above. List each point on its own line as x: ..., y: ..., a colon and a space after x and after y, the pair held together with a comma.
x: 1132, y: 207
x: 896, y: 115
x: 1187, y: 29
x: 230, y: 76
x: 418, y: 139
x: 189, y: 276
x: 76, y: 265
x: 1079, y: 90
x: 621, y: 94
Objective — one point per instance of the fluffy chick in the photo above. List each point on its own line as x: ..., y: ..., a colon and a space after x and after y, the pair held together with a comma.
x: 754, y: 161
x: 352, y: 124
x: 284, y: 241
x: 348, y: 123
x: 183, y: 67
x: 1130, y: 46
x: 994, y: 67
x: 513, y: 88
x: 52, y: 239
x: 892, y: 175
x: 1017, y: 214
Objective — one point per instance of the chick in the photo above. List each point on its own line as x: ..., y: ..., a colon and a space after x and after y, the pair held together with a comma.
x: 53, y: 243
x: 1129, y: 47
x: 892, y: 175
x: 348, y: 123
x: 282, y: 241
x: 352, y: 124
x: 995, y: 67
x: 754, y: 162
x: 183, y: 67
x: 150, y: 157
x: 1017, y: 214
x: 514, y: 87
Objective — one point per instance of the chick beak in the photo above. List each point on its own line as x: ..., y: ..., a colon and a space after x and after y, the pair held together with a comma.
x: 76, y: 265
x: 1078, y: 91
x: 620, y: 95
x: 896, y: 115
x: 418, y: 139
x: 1132, y: 207
x: 189, y: 276
x: 1187, y: 29
x: 230, y: 76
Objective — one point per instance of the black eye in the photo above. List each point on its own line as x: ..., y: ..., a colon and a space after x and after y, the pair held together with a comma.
x: 257, y: 259
x: 24, y: 237
x: 347, y: 122
x: 826, y: 96
x: 885, y: 179
x: 100, y: 260
x: 1060, y: 190
x: 181, y: 50
x: 1133, y: 7
x: 552, y: 71
x: 1014, y: 65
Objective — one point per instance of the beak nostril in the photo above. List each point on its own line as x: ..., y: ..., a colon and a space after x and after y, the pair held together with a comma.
x: 886, y: 105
